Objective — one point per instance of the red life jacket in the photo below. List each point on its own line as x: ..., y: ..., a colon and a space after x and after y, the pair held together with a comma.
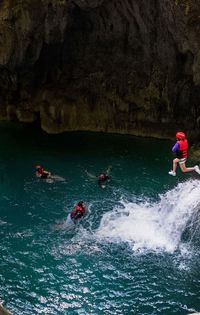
x: 183, y: 149
x: 77, y: 210
x: 40, y: 171
x: 80, y: 209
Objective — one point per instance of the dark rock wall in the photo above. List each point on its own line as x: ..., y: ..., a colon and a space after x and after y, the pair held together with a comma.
x: 126, y: 66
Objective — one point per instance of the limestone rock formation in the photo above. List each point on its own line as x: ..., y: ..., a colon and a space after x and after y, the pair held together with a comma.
x: 124, y: 66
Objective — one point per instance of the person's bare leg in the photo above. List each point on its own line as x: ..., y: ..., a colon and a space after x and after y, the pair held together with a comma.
x: 175, y: 161
x: 185, y: 169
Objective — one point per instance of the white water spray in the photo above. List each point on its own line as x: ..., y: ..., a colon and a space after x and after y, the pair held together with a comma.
x: 154, y: 226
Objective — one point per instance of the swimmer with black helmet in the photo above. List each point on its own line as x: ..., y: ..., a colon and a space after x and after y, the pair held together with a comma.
x: 102, y: 177
x: 78, y: 211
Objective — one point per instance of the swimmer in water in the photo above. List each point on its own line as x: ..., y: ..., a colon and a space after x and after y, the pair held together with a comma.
x: 40, y: 172
x: 78, y: 211
x: 102, y: 177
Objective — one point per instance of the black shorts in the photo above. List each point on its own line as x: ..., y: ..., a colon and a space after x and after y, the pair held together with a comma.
x: 45, y: 175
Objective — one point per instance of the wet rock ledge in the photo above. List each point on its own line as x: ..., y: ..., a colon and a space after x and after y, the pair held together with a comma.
x: 124, y: 66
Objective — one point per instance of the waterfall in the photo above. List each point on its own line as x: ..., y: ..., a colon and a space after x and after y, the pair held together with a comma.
x: 153, y: 225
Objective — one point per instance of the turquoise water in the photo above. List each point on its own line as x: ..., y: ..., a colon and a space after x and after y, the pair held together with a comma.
x: 135, y: 252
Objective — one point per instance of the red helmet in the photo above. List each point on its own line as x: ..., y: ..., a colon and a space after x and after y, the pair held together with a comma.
x: 37, y: 166
x: 180, y: 135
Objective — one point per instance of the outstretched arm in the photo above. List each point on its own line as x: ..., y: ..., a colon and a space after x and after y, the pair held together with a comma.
x: 109, y: 170
x: 90, y: 175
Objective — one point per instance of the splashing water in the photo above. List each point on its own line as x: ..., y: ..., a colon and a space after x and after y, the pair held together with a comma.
x: 153, y: 225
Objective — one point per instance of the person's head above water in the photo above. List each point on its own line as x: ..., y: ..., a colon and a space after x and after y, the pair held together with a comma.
x: 180, y: 135
x: 38, y: 167
x: 81, y: 204
x: 102, y: 175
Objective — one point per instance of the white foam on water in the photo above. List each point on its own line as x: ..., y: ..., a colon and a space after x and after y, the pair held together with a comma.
x: 153, y: 225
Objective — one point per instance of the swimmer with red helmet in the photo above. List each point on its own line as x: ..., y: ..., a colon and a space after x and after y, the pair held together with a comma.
x: 50, y: 178
x: 181, y: 150
x: 40, y: 172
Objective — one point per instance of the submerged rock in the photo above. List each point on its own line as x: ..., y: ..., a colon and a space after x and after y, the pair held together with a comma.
x: 125, y: 66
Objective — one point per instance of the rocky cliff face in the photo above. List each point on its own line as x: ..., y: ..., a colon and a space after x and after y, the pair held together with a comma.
x: 126, y: 66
